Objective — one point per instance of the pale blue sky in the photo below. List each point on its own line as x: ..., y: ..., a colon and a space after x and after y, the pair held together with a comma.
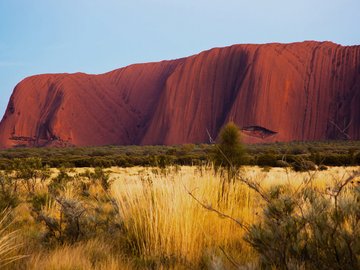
x: 95, y: 36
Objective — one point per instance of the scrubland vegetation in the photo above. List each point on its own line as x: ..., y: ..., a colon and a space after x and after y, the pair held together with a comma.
x: 331, y: 153
x: 177, y: 217
x: 292, y: 212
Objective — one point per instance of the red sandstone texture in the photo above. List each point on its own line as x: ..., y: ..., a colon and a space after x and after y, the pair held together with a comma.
x: 274, y: 92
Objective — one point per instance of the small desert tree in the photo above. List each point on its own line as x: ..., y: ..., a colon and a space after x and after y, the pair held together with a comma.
x: 229, y: 153
x: 30, y: 171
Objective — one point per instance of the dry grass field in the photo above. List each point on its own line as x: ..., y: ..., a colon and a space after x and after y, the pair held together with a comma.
x: 148, y: 218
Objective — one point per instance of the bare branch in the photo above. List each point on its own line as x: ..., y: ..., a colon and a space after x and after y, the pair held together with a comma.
x: 252, y: 185
x: 243, y: 225
x: 210, y: 138
x: 230, y: 259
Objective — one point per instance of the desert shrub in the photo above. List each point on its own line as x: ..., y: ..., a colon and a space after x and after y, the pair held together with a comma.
x: 98, y: 175
x: 342, y: 153
x: 301, y: 165
x: 352, y: 155
x: 98, y: 152
x: 81, y: 162
x: 267, y: 160
x: 266, y: 169
x: 59, y: 182
x: 9, y: 197
x: 69, y: 219
x: 122, y: 162
x: 65, y: 227
x: 5, y: 163
x: 38, y: 201
x: 188, y: 160
x: 58, y: 162
x: 336, y: 159
x: 229, y: 151
x: 171, y: 152
x: 75, y: 208
x: 309, y: 229
x: 30, y: 171
x: 162, y: 161
x: 298, y: 150
x: 103, y: 162
x: 357, y: 158
x: 187, y: 148
x: 249, y: 159
x: 103, y: 177
x: 322, y: 168
x: 282, y: 163
x: 71, y: 212
x: 316, y: 157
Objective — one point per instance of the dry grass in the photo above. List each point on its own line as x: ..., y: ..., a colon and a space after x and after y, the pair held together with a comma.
x: 8, y: 241
x: 90, y: 255
x: 163, y: 226
x: 164, y: 223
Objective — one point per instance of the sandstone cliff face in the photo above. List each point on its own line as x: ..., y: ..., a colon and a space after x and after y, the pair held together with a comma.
x: 275, y: 92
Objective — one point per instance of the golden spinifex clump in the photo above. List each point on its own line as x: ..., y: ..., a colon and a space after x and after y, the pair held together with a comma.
x: 175, y: 217
x: 9, y: 245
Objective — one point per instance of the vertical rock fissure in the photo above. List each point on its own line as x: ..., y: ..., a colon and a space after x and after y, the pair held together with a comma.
x: 44, y: 131
x: 307, y: 89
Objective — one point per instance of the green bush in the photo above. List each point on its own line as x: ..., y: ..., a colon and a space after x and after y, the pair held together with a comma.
x: 8, y: 192
x: 357, y: 158
x: 332, y: 153
x: 337, y: 160
x: 266, y: 160
x: 307, y: 229
x: 322, y: 168
x: 301, y: 165
x: 39, y: 200
x: 98, y: 176
x: 229, y: 151
x: 79, y: 217
x: 30, y: 171
x: 282, y: 163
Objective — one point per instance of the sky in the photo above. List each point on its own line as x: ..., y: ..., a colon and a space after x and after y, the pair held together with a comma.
x: 96, y: 36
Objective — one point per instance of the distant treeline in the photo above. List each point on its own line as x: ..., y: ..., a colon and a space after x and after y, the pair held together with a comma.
x: 329, y: 153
